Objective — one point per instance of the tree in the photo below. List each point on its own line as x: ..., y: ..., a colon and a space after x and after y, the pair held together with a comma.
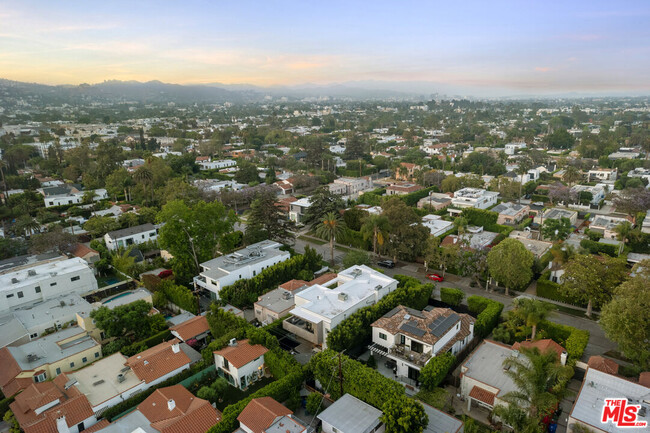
x: 132, y: 318
x: 267, y: 221
x: 541, y: 382
x: 246, y: 172
x: 571, y: 175
x: 322, y: 202
x: 118, y: 182
x: 193, y: 235
x: 314, y: 403
x: 511, y: 263
x: 633, y: 201
x: 330, y: 227
x: 354, y: 148
x: 56, y: 239
x: 592, y: 279
x: 100, y: 225
x: 560, y: 139
x: 435, y: 371
x: 531, y: 312
x: 144, y: 176
x: 404, y: 416
x: 355, y: 257
x: 178, y: 189
x: 626, y: 319
x: 375, y: 227
x: 26, y: 225
x: 124, y: 261
x: 557, y: 229
x: 623, y: 232
x: 441, y: 257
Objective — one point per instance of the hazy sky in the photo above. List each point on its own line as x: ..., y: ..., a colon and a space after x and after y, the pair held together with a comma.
x: 516, y: 46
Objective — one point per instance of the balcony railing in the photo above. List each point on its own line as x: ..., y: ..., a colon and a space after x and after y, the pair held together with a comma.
x: 403, y: 352
x: 200, y: 281
x: 300, y: 323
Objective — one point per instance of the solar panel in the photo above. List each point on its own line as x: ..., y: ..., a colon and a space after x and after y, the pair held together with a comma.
x: 392, y: 312
x: 439, y: 329
x: 411, y: 328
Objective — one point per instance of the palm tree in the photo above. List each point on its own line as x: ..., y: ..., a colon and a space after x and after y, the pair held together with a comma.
x: 623, y: 231
x: 27, y: 225
x: 524, y: 165
x: 531, y: 311
x: 123, y: 261
x: 144, y: 175
x: 541, y: 383
x: 375, y: 227
x: 329, y: 227
x: 571, y: 175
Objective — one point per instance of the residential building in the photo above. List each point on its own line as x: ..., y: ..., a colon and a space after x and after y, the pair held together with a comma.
x: 124, y: 238
x: 605, y: 365
x: 474, y: 197
x: 348, y: 414
x: 277, y: 303
x: 645, y: 226
x: 350, y: 187
x: 217, y: 165
x: 172, y: 409
x: 474, y: 238
x: 406, y: 171
x: 412, y: 338
x: 606, y: 225
x: 512, y: 148
x: 321, y: 307
x: 441, y: 422
x: 53, y: 406
x: 160, y: 362
x: 511, y: 213
x: 298, y: 208
x: 31, y: 281
x: 556, y: 214
x: 242, y: 264
x: 538, y: 248
x: 597, y: 192
x: 623, y: 155
x: 402, y: 188
x: 436, y: 225
x: 241, y: 363
x: 86, y: 253
x: 45, y: 358
x: 483, y: 379
x: 435, y: 201
x: 265, y: 415
x: 68, y: 194
x: 598, y: 386
x: 607, y: 175
x: 643, y: 173
x: 197, y: 328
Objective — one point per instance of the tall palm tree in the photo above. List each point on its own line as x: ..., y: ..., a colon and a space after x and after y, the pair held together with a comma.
x: 375, y: 227
x: 27, y: 225
x: 623, y: 231
x: 531, y: 311
x: 571, y: 175
x: 144, y: 175
x: 541, y: 383
x: 330, y: 226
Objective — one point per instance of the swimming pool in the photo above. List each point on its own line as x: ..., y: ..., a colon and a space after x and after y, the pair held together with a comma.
x: 118, y: 296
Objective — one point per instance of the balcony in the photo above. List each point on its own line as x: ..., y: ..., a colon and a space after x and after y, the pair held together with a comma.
x: 403, y: 352
x: 201, y: 282
x: 302, y: 328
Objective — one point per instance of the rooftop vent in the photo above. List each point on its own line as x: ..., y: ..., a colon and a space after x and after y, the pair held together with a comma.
x: 355, y: 272
x: 343, y: 296
x: 99, y: 382
x: 31, y: 357
x: 407, y: 316
x: 120, y: 378
x: 14, y: 280
x: 31, y: 273
x: 286, y: 295
x: 171, y: 404
x: 233, y: 342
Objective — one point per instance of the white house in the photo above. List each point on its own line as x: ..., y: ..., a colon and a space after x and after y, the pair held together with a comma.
x: 602, y: 175
x: 43, y: 280
x: 298, y: 208
x: 124, y: 238
x: 245, y: 263
x: 321, y: 307
x: 412, y: 338
x: 512, y: 148
x: 265, y: 415
x: 348, y: 414
x: 68, y: 195
x: 474, y: 197
x: 436, y: 225
x: 241, y: 363
x: 606, y: 225
x: 597, y: 192
x: 223, y: 163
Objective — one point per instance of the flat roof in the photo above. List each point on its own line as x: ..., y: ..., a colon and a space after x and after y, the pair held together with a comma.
x: 134, y: 422
x: 485, y: 364
x: 56, y: 310
x: 99, y: 381
x: 440, y: 422
x: 13, y: 262
x: 11, y: 330
x: 27, y: 275
x: 46, y: 350
x: 349, y: 414
x: 596, y: 387
x: 278, y: 300
x: 255, y: 253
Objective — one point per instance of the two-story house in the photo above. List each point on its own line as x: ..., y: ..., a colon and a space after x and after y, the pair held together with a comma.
x: 241, y: 363
x: 473, y: 197
x: 124, y: 238
x: 511, y: 213
x: 298, y: 208
x: 412, y: 338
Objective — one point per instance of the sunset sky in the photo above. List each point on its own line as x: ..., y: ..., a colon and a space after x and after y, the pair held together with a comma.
x: 515, y: 46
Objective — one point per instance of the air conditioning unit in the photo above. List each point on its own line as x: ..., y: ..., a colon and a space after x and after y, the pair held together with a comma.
x: 120, y: 378
x: 233, y: 342
x: 31, y: 273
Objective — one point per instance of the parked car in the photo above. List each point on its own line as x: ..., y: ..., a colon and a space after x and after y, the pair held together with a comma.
x: 386, y: 264
x: 166, y: 273
x: 435, y: 277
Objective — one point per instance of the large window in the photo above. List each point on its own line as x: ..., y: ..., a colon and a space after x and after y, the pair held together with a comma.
x: 382, y: 336
x: 226, y: 366
x: 75, y: 278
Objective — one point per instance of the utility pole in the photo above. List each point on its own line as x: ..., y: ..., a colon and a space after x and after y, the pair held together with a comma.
x: 340, y: 375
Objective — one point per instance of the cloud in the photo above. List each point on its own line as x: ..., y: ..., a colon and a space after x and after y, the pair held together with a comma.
x: 543, y: 69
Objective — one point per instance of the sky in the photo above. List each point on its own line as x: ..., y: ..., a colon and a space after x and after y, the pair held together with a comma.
x: 490, y: 46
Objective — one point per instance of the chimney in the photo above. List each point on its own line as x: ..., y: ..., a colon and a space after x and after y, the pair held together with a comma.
x: 171, y: 404
x: 563, y: 358
x: 62, y: 425
x: 176, y: 348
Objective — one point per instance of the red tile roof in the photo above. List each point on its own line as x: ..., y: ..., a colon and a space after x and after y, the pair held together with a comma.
x: 157, y: 361
x: 191, y: 328
x: 242, y: 353
x: 292, y: 285
x: 190, y: 414
x: 483, y: 395
x: 80, y: 250
x: 260, y: 413
x: 603, y: 364
x: 322, y: 279
x: 644, y: 379
x: 8, y: 373
x: 543, y: 346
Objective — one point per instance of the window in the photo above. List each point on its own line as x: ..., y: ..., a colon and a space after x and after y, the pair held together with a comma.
x: 34, y: 335
x: 152, y: 235
x: 58, y: 370
x: 225, y: 364
x: 382, y: 336
x: 20, y: 295
x: 97, y: 353
x: 75, y: 278
x: 142, y: 236
x: 40, y: 378
x: 81, y: 427
x: 10, y: 295
x: 71, y: 364
x: 37, y: 289
x: 402, y: 339
x: 254, y: 273
x: 84, y: 359
x: 53, y: 284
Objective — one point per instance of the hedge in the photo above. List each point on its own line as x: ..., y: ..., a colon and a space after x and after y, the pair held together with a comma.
x: 435, y: 371
x: 451, y: 296
x: 246, y: 291
x: 4, y: 404
x: 413, y: 198
x: 142, y: 345
x: 356, y: 331
x: 598, y: 247
x: 550, y: 290
x: 178, y: 295
x: 574, y: 340
x: 489, y: 312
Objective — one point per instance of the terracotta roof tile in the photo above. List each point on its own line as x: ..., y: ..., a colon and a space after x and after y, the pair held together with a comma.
x: 97, y: 427
x: 157, y: 361
x: 644, y: 379
x: 9, y: 370
x: 80, y: 250
x: 292, y: 285
x: 242, y: 353
x: 190, y: 414
x: 75, y: 410
x: 191, y: 328
x: 543, y: 346
x: 603, y: 364
x: 260, y: 413
x: 483, y: 395
x: 322, y: 279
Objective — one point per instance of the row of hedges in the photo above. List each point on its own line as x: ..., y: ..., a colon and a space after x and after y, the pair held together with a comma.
x: 356, y: 330
x: 598, y: 247
x: 142, y: 345
x: 413, y: 198
x: 486, y: 219
x: 246, y: 291
x: 451, y: 296
x: 550, y: 290
x: 574, y: 340
x: 435, y: 371
x: 488, y: 314
x: 179, y: 295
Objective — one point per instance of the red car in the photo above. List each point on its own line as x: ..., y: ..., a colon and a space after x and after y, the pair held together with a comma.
x: 435, y: 277
x: 166, y: 273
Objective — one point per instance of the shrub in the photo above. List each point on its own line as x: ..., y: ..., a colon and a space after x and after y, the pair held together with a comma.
x: 477, y: 304
x: 550, y: 290
x: 435, y: 371
x: 597, y: 247
x: 372, y: 363
x: 489, y: 312
x: 314, y: 400
x: 451, y: 296
x: 574, y: 340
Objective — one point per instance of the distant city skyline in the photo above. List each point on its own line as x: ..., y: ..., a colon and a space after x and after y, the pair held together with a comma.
x: 482, y: 47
